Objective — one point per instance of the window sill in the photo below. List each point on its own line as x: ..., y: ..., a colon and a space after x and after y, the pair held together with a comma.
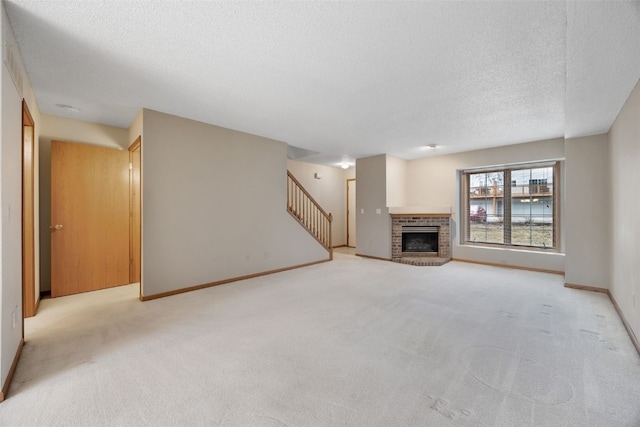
x: 517, y: 248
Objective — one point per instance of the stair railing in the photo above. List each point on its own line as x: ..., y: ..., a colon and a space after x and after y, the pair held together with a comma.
x: 308, y: 213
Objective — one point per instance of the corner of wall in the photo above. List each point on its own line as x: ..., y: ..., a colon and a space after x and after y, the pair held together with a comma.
x: 135, y: 130
x: 586, y: 228
x: 624, y: 175
x: 373, y: 222
x: 14, y: 87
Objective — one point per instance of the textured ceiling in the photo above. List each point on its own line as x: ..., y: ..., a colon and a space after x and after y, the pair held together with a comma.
x: 340, y: 80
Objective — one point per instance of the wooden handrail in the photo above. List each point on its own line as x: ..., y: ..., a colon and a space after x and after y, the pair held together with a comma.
x: 304, y: 208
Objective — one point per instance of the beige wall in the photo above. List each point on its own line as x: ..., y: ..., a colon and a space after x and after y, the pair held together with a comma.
x: 587, y: 224
x: 373, y: 223
x: 11, y: 200
x: 135, y: 130
x: 624, y: 140
x: 434, y: 182
x: 396, y: 181
x: 330, y: 191
x: 214, y: 206
x: 11, y: 233
x: 69, y: 130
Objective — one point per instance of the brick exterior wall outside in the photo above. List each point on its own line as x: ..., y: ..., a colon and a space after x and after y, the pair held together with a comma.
x: 444, y: 239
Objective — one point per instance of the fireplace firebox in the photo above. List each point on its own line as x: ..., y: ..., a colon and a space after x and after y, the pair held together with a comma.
x: 419, y: 239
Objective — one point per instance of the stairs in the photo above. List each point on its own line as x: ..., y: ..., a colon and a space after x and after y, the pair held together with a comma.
x: 308, y: 213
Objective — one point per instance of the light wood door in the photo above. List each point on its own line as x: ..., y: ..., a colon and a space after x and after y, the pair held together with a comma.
x: 89, y: 218
x: 351, y: 213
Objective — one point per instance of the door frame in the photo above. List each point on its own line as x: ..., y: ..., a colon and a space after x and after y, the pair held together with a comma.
x: 90, y: 238
x: 135, y: 216
x: 29, y: 302
x: 347, y: 205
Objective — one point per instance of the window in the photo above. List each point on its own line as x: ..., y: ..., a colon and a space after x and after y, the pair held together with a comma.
x: 523, y: 213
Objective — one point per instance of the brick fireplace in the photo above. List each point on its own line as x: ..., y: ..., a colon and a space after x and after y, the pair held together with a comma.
x: 416, y: 249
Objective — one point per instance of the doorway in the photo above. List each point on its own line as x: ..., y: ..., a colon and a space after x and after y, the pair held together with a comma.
x: 351, y: 213
x: 135, y: 169
x: 30, y: 297
x: 90, y: 210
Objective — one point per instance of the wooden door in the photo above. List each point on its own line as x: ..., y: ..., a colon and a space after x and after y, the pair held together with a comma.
x: 89, y: 218
x: 351, y: 213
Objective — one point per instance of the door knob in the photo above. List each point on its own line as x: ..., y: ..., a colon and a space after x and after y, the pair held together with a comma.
x: 56, y: 227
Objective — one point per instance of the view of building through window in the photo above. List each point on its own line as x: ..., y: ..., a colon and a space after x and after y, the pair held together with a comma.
x: 518, y: 213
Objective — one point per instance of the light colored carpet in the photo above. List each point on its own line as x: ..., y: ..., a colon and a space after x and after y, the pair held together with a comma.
x: 345, y: 250
x: 351, y: 342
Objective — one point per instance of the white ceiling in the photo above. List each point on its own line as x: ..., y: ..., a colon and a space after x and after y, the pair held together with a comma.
x: 340, y: 80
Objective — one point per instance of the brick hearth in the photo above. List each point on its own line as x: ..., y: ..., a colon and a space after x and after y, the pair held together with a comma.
x: 442, y: 221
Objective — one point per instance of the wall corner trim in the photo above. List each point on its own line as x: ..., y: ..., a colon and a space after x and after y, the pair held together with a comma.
x: 586, y: 288
x: 512, y: 266
x: 373, y: 257
x: 626, y: 324
x: 12, y: 370
x: 222, y: 282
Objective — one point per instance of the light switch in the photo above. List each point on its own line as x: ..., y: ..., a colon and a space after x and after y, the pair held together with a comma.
x: 378, y: 211
x: 362, y: 211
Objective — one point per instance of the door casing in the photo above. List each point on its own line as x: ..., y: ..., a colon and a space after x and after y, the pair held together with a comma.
x: 351, y: 212
x: 29, y: 298
x: 135, y: 170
